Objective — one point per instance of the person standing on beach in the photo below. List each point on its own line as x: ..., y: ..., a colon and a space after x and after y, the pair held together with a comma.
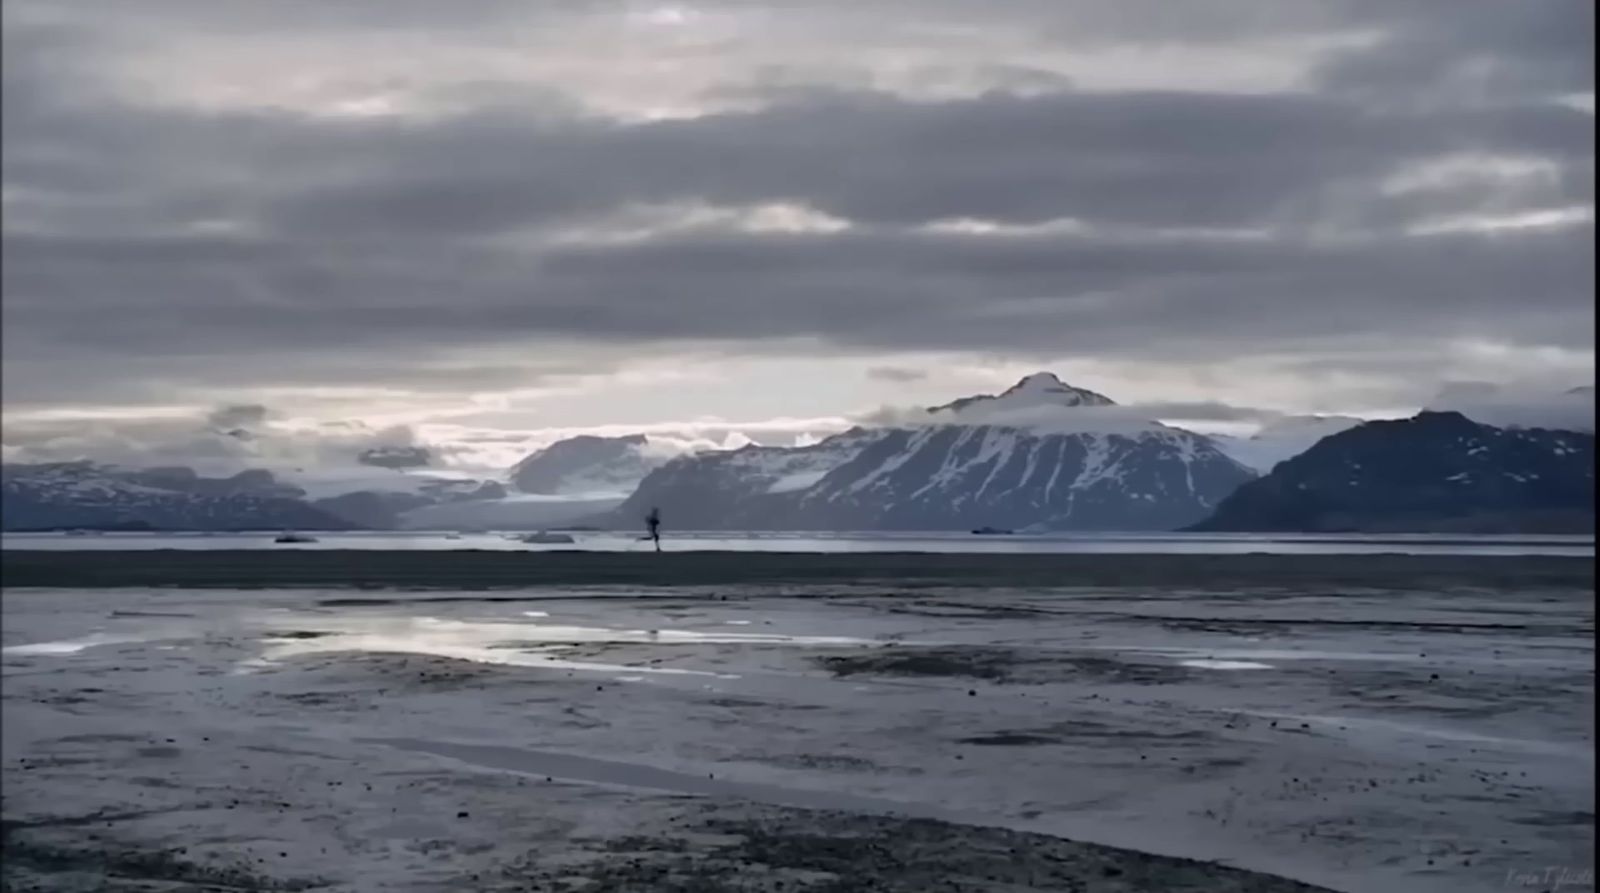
x: 653, y: 522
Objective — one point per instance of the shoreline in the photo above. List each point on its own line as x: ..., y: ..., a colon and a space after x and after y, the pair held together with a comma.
x: 495, y: 569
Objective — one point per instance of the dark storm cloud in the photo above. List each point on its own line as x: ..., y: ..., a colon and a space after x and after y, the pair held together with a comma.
x: 149, y: 244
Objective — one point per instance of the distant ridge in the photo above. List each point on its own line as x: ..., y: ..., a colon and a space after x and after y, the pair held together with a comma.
x: 1437, y: 471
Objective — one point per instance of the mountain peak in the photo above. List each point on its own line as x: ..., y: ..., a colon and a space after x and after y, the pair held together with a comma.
x: 1051, y: 389
x: 1436, y: 471
x: 1038, y: 379
x: 1038, y: 389
x: 586, y: 464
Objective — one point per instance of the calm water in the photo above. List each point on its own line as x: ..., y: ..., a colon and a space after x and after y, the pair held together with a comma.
x: 1168, y: 543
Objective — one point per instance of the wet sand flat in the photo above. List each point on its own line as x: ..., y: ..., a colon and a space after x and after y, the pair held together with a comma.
x: 1382, y: 724
x: 255, y: 568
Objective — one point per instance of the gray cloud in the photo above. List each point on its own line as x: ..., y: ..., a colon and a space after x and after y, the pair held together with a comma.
x: 896, y: 374
x: 1496, y: 404
x: 206, y: 439
x: 1480, y: 52
x: 246, y: 415
x: 1206, y: 411
x: 152, y: 244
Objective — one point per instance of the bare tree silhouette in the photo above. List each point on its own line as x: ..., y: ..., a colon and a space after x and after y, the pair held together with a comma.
x: 652, y: 522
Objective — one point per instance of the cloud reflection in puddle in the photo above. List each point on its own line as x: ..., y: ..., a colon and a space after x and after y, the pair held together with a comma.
x: 1210, y: 664
x: 68, y: 646
x: 505, y: 644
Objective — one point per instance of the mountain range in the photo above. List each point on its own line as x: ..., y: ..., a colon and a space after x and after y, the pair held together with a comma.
x: 88, y: 495
x: 1042, y: 455
x: 1438, y: 471
x: 587, y: 465
x: 69, y: 495
x: 1281, y: 438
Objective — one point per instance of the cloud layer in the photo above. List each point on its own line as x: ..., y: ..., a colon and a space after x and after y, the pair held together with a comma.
x: 1501, y: 406
x: 424, y: 204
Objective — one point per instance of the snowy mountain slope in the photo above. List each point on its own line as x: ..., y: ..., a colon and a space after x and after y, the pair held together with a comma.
x: 963, y: 477
x: 85, y: 495
x: 738, y: 489
x: 90, y: 495
x: 1281, y: 439
x: 598, y: 467
x: 1041, y: 389
x: 1041, y: 454
x: 326, y: 482
x: 1437, y: 471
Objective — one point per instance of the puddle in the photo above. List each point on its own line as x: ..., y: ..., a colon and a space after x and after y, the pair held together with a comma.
x: 1209, y: 664
x: 598, y: 635
x: 67, y: 646
x: 508, y: 644
x: 282, y: 650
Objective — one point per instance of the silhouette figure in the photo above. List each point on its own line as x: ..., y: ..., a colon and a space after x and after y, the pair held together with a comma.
x: 652, y: 521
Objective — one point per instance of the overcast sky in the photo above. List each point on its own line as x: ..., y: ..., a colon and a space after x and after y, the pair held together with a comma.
x: 479, y: 222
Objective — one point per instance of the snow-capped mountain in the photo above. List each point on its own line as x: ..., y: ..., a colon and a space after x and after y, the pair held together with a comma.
x: 384, y: 509
x: 1437, y: 471
x: 588, y: 465
x: 1038, y: 389
x: 94, y: 496
x: 955, y: 477
x: 90, y: 496
x: 1282, y: 438
x: 1041, y: 454
x: 748, y: 488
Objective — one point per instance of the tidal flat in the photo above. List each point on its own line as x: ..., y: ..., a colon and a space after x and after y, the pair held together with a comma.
x: 785, y: 722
